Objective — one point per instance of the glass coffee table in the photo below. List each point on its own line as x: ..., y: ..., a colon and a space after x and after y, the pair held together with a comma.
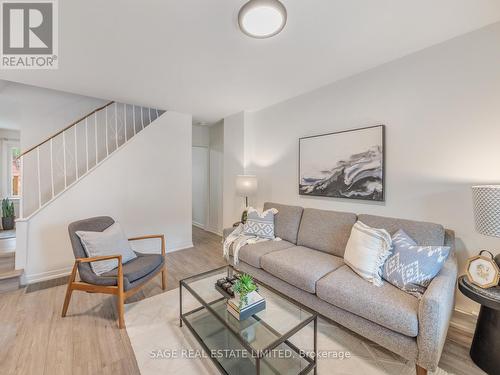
x: 266, y: 343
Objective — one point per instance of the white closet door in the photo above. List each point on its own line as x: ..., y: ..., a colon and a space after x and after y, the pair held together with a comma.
x: 200, y: 186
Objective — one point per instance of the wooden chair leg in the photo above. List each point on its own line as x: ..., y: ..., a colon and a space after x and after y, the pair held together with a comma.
x: 421, y: 370
x: 164, y: 278
x: 69, y: 291
x: 121, y: 296
x: 121, y: 307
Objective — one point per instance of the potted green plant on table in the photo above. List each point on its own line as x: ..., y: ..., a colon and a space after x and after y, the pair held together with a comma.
x: 243, y: 287
x: 8, y: 216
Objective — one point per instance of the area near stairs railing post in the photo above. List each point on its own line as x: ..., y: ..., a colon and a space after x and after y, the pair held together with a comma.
x: 57, y: 163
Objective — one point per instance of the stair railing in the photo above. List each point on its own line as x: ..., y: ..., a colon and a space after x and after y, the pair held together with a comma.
x: 54, y: 165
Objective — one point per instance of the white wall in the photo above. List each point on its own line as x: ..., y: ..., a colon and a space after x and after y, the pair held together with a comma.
x: 38, y: 112
x: 234, y: 147
x: 201, y: 175
x: 146, y: 186
x: 216, y: 177
x: 200, y: 186
x: 201, y: 135
x: 441, y: 108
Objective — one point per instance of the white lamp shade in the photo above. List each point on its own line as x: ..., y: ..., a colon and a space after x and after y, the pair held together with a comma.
x: 246, y: 186
x: 487, y: 209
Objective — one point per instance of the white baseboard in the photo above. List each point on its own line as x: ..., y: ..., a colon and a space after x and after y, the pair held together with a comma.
x: 44, y: 276
x: 184, y: 246
x: 214, y: 231
x: 198, y: 225
x: 62, y: 272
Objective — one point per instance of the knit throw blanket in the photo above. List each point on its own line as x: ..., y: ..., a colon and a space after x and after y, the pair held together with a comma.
x: 237, y: 239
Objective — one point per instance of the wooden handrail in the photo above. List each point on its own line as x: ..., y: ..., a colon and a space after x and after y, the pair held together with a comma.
x: 66, y: 128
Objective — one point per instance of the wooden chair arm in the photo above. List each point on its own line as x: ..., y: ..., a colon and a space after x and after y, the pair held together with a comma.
x: 150, y: 236
x: 105, y: 257
x: 99, y: 258
x: 146, y: 237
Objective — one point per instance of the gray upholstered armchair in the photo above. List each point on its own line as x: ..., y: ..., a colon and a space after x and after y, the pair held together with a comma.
x: 123, y: 281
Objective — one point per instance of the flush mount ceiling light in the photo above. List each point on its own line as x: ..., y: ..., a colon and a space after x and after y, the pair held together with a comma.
x: 262, y: 18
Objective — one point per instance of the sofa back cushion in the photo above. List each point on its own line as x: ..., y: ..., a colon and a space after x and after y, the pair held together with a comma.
x: 423, y: 233
x: 286, y: 221
x: 327, y: 231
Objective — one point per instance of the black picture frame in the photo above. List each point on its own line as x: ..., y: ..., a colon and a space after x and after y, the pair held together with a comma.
x: 375, y: 197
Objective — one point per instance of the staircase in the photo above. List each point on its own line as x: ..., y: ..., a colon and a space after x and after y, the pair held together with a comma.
x: 58, y: 163
x: 54, y: 165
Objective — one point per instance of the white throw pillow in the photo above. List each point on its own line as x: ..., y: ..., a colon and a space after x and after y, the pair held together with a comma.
x: 367, y: 250
x: 260, y: 224
x: 111, y: 241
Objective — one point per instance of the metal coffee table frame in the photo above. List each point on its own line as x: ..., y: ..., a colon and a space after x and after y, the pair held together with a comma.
x: 257, y: 355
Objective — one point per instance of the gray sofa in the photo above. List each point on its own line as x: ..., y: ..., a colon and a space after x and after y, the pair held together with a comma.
x: 308, y: 266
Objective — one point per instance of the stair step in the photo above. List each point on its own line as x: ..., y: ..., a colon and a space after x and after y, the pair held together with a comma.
x: 10, y: 274
x: 10, y: 280
x: 7, y: 260
x: 7, y: 244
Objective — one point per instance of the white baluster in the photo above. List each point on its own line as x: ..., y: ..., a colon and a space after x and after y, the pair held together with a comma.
x: 106, y: 124
x: 125, y: 122
x: 142, y: 118
x: 52, y: 167
x: 133, y: 118
x: 64, y: 159
x: 21, y: 202
x: 76, y: 152
x: 87, y: 143
x: 39, y: 177
x: 96, y: 145
x: 116, y: 125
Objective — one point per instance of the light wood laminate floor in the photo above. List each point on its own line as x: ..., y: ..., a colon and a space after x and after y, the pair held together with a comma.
x: 34, y: 339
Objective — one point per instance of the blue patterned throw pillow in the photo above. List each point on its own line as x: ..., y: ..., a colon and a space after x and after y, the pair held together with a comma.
x: 260, y: 224
x: 411, y: 267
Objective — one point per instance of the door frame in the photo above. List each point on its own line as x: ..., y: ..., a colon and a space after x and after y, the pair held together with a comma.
x: 207, y: 189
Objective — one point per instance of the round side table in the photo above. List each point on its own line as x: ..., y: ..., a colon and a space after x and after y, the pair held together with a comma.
x: 485, y: 349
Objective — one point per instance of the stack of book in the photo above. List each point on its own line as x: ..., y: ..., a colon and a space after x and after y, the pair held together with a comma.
x: 241, y: 311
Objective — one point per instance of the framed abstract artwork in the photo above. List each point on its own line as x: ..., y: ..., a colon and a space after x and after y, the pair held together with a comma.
x: 346, y: 164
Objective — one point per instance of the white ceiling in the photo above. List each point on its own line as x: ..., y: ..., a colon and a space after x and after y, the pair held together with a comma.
x: 189, y: 56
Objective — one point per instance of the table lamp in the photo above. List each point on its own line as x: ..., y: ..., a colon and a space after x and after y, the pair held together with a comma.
x: 487, y: 211
x: 246, y: 186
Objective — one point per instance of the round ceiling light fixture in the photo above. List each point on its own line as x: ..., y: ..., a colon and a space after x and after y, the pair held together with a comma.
x: 262, y: 18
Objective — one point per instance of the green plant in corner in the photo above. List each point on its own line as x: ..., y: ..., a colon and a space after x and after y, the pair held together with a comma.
x: 243, y: 286
x: 8, y: 215
x: 7, y: 208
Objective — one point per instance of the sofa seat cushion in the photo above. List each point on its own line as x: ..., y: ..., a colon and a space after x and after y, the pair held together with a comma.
x: 138, y: 268
x: 300, y: 266
x: 386, y: 305
x: 252, y: 253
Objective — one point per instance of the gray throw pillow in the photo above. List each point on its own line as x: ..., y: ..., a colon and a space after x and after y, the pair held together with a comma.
x: 411, y: 267
x: 260, y: 224
x: 111, y: 241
